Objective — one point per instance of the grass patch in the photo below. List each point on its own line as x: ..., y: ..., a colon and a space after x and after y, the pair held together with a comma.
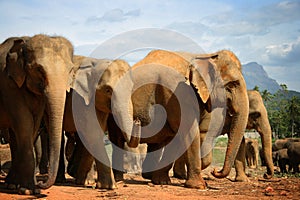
x: 221, y: 142
x: 218, y: 156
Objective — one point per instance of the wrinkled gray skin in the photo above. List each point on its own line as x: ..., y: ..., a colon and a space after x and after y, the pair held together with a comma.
x: 258, y: 120
x: 146, y: 96
x: 230, y: 76
x: 34, y: 74
x: 282, y: 143
x: 252, y: 152
x: 293, y: 151
x: 282, y: 158
x: 86, y: 81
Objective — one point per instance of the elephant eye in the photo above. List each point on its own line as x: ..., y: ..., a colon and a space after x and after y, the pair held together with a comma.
x: 231, y: 85
x: 108, y: 90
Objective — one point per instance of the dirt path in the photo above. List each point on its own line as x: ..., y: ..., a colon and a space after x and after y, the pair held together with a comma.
x: 135, y: 187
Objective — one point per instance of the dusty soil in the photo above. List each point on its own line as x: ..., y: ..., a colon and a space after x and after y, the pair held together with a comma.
x: 135, y: 187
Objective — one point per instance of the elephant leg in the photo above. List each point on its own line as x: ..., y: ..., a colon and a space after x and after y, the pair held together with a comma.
x: 266, y: 139
x: 80, y: 161
x: 194, y: 178
x: 105, y: 179
x: 25, y: 165
x: 105, y: 176
x: 179, y: 168
x: 240, y: 164
x: 117, y: 140
x: 85, y: 165
x: 118, y: 162
x: 38, y: 152
x: 44, y: 162
x: 154, y: 152
x: 61, y: 178
x: 206, y: 150
x: 295, y: 166
x: 256, y: 158
x: 206, y: 158
x: 160, y: 172
x: 70, y: 145
x: 11, y: 178
x: 282, y: 166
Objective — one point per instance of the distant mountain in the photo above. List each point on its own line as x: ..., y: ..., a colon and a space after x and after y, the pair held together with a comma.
x: 255, y: 74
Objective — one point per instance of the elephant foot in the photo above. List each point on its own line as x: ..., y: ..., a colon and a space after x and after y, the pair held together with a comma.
x: 197, y: 183
x: 61, y: 179
x: 106, y: 185
x: 267, y: 176
x: 242, y: 178
x: 119, y: 176
x: 180, y: 175
x: 79, y: 181
x: 159, y: 178
x: 25, y: 191
x: 85, y: 180
x: 11, y: 186
x: 147, y: 175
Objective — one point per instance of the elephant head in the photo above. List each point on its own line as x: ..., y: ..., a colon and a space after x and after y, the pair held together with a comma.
x: 98, y: 80
x: 43, y: 65
x: 229, y: 68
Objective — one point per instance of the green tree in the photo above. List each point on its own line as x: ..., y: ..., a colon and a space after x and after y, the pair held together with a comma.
x: 293, y: 109
x: 284, y: 87
x: 266, y: 96
x: 256, y: 88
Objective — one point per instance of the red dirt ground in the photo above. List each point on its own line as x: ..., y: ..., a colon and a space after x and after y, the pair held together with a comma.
x: 135, y: 187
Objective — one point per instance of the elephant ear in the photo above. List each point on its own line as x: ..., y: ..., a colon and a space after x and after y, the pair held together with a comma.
x: 87, y: 77
x: 14, y: 61
x: 201, y: 73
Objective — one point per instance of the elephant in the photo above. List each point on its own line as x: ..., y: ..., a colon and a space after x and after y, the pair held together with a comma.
x: 42, y: 153
x: 258, y: 120
x: 282, y: 143
x: 282, y: 158
x: 262, y: 157
x: 86, y: 81
x: 199, y: 72
x: 252, y: 152
x: 293, y: 151
x: 34, y: 76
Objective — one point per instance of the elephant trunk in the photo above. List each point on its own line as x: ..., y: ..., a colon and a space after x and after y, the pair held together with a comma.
x: 266, y: 138
x: 135, y: 135
x: 240, y: 110
x: 122, y: 111
x: 55, y: 110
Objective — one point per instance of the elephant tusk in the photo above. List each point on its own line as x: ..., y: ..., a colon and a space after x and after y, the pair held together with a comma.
x: 136, y: 134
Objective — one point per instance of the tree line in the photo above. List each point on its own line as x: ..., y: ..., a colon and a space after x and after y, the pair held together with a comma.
x: 283, y: 110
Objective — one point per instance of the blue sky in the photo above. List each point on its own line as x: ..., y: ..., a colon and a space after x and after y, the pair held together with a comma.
x: 267, y: 32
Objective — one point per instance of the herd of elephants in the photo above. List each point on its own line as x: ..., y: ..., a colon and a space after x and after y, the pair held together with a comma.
x: 40, y: 77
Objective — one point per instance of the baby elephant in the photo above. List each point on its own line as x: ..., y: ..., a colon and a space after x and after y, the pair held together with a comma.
x: 281, y: 157
x: 252, y: 152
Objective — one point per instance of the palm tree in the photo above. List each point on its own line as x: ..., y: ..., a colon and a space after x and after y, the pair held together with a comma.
x: 266, y: 96
x: 284, y: 87
x: 256, y: 88
x: 293, y: 108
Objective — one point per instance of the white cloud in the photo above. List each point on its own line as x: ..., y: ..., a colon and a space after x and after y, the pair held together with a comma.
x: 114, y: 15
x: 284, y: 53
x: 261, y: 31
